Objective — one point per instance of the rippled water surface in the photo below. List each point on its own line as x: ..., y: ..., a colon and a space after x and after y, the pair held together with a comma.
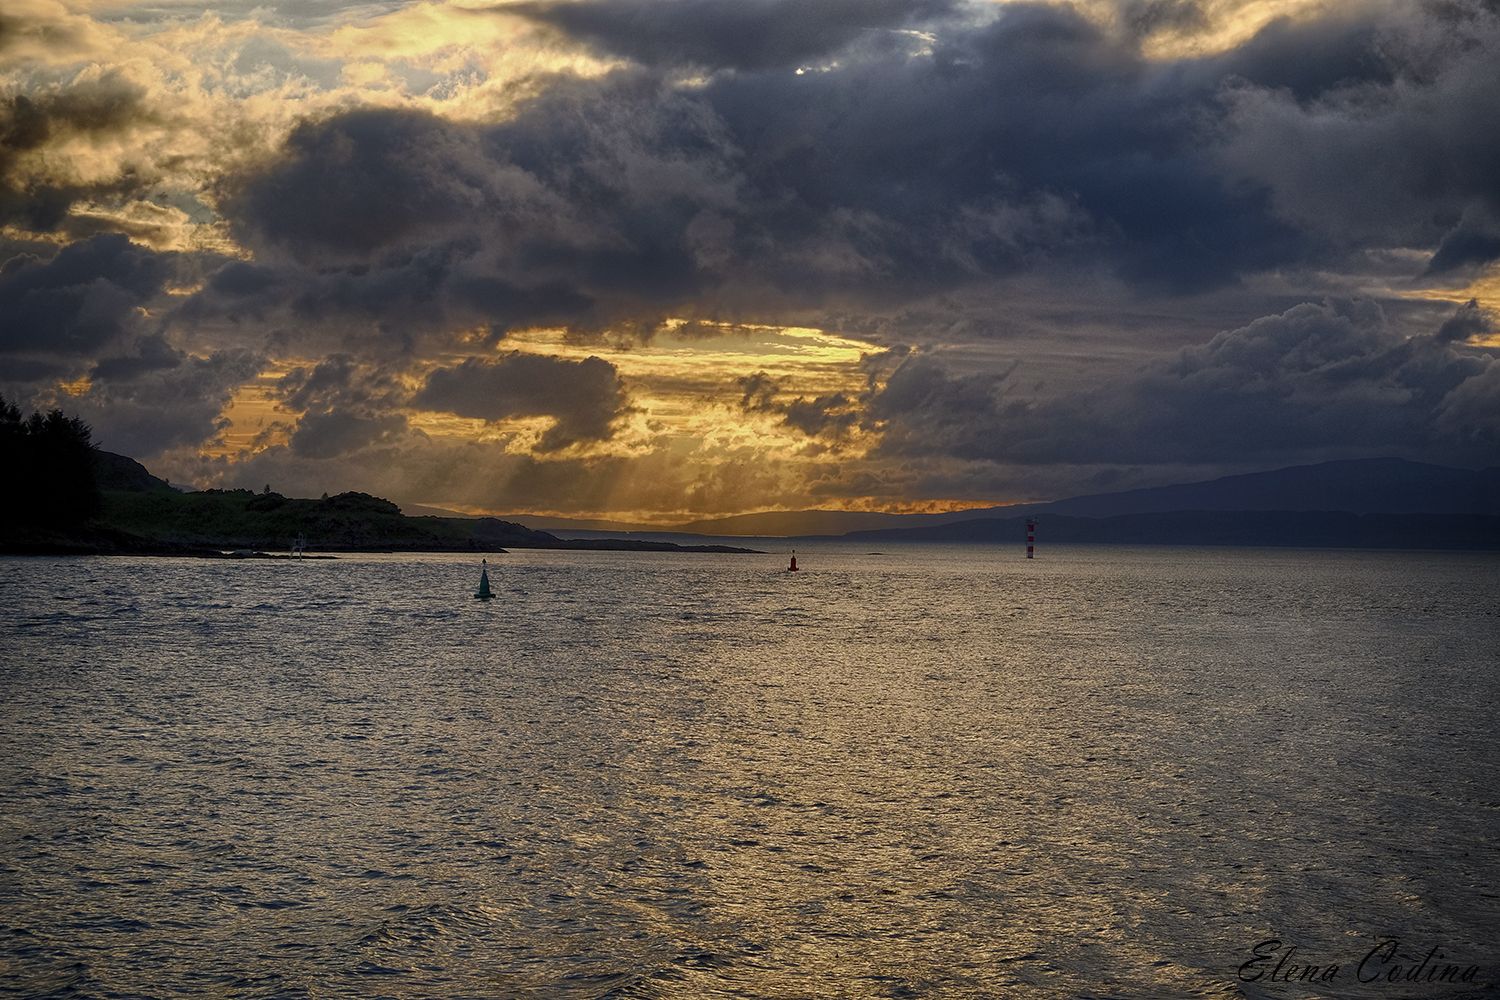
x: 932, y: 772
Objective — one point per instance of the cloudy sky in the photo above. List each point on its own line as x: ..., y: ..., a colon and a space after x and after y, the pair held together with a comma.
x: 670, y: 259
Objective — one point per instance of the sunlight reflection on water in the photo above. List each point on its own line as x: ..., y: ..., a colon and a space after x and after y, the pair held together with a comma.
x: 933, y: 772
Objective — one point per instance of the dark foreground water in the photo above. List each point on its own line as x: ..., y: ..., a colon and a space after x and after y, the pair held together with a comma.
x: 936, y: 772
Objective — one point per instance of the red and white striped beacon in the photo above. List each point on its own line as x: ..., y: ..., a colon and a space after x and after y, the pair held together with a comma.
x: 1030, y: 537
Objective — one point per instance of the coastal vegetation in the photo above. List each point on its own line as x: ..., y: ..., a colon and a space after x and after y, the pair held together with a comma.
x: 49, y: 461
x: 244, y: 520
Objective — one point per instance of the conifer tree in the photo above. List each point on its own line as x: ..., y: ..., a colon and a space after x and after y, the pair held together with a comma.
x: 49, y: 460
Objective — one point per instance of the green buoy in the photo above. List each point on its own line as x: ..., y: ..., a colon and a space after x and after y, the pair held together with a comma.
x: 483, y: 593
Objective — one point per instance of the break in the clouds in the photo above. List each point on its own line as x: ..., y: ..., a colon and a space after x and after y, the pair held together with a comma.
x: 679, y: 257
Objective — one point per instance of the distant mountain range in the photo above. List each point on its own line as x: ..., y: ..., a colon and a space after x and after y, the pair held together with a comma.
x: 1309, y: 529
x: 1359, y: 486
x: 1355, y: 486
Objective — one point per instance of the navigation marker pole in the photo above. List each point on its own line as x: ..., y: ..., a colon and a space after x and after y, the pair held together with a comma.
x: 1030, y: 537
x: 484, y: 593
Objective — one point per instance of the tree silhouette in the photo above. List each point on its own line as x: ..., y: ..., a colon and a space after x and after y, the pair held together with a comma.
x: 49, y: 461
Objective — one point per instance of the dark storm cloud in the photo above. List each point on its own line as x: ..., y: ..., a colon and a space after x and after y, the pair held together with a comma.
x: 406, y: 217
x: 340, y: 380
x: 925, y: 162
x: 152, y: 353
x: 1314, y: 381
x: 346, y: 406
x: 1475, y: 240
x: 369, y: 179
x: 238, y: 279
x: 1042, y: 100
x: 745, y: 35
x: 760, y: 391
x: 83, y: 299
x: 923, y: 384
x: 1039, y: 137
x: 585, y: 397
x: 1468, y: 322
x: 1307, y: 59
x: 395, y: 291
x: 1405, y: 161
x: 160, y: 407
x: 337, y: 431
x: 391, y: 303
x: 830, y: 416
x: 30, y: 124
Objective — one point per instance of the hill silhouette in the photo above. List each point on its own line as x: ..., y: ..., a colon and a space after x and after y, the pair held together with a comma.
x: 1359, y: 486
x: 116, y: 472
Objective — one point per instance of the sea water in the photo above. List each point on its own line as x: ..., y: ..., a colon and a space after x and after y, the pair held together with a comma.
x: 921, y: 772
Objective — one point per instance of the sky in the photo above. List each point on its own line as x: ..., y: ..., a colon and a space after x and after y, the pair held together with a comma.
x: 666, y: 260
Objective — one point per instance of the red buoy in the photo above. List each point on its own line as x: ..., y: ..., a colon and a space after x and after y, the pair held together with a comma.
x: 793, y: 567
